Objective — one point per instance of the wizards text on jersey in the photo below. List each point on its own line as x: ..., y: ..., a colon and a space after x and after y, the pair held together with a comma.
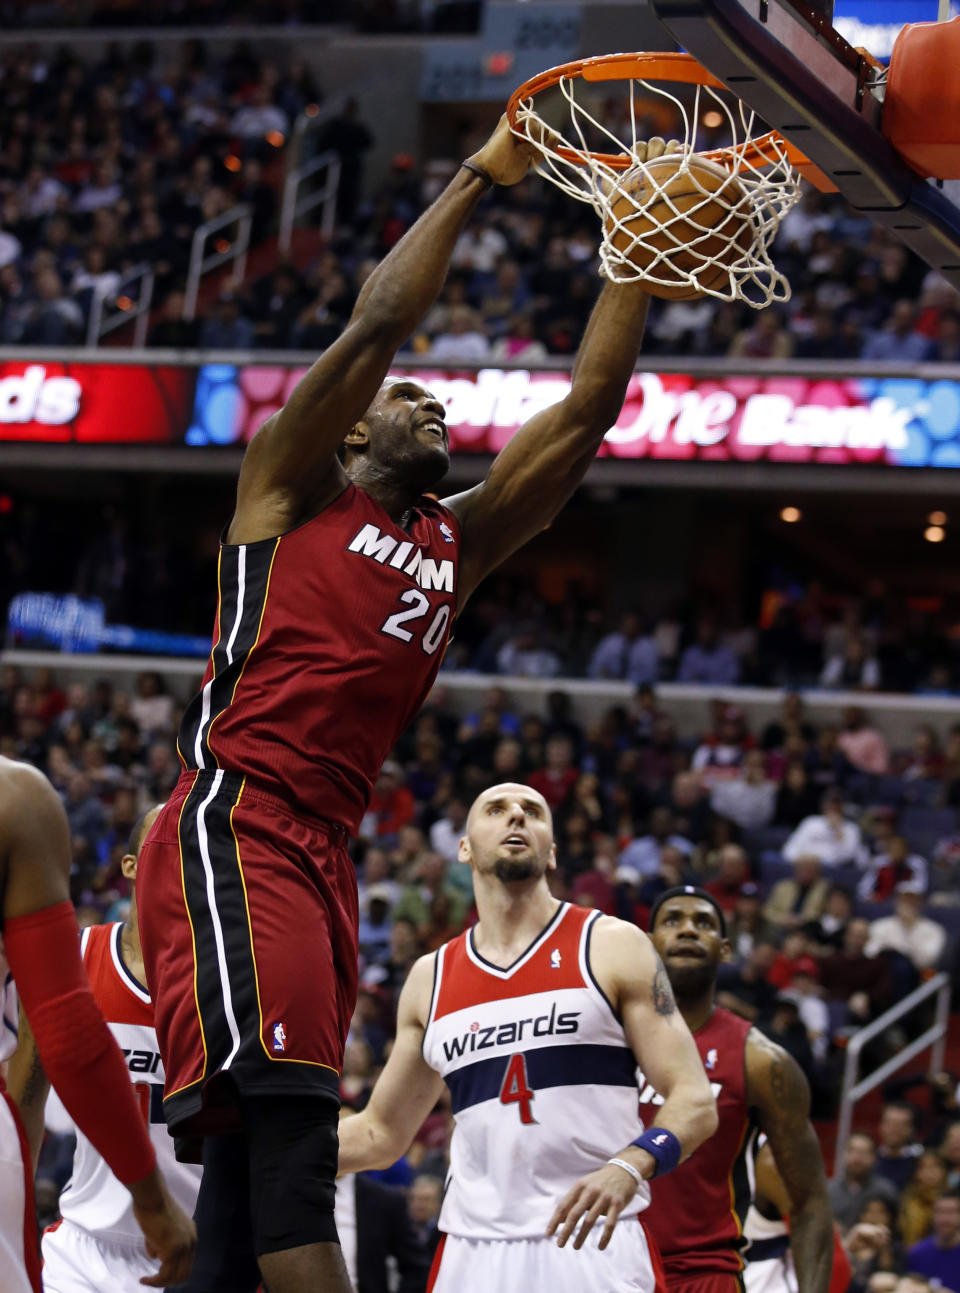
x: 508, y: 1034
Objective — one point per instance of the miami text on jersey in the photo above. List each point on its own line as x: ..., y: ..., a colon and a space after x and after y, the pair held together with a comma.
x: 369, y: 542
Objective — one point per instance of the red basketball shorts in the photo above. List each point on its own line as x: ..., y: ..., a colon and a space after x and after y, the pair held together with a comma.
x: 248, y: 919
x: 702, y: 1281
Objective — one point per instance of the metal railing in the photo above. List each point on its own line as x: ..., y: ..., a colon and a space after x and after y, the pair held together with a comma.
x: 935, y: 1036
x: 202, y: 263
x: 101, y: 323
x: 295, y: 205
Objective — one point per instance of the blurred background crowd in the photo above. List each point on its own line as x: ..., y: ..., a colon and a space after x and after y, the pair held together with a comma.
x: 108, y: 164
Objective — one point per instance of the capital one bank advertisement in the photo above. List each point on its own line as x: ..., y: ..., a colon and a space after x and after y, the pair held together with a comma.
x: 902, y: 422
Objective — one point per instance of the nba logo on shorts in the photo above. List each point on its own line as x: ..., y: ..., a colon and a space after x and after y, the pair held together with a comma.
x: 446, y: 532
x: 711, y: 1060
x: 555, y: 959
x: 279, y: 1038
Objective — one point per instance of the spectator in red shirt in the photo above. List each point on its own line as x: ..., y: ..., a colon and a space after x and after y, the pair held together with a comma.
x: 734, y: 874
x: 556, y: 779
x: 897, y: 865
x: 793, y: 958
x: 391, y: 804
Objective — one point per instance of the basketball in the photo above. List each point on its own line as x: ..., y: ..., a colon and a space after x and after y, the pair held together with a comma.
x: 688, y: 208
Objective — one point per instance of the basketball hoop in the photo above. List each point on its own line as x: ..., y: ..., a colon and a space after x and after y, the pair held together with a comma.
x: 669, y: 251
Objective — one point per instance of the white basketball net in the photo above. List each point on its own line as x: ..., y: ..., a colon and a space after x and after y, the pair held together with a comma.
x: 768, y: 187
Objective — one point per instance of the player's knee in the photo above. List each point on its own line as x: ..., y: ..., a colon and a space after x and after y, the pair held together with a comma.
x: 293, y: 1170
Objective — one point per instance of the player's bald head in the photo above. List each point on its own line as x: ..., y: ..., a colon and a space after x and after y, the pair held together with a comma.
x: 509, y: 834
x: 505, y: 792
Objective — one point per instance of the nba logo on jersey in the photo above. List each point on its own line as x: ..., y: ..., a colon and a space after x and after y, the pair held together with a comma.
x: 446, y: 532
x: 711, y: 1061
x: 279, y: 1038
x: 555, y: 959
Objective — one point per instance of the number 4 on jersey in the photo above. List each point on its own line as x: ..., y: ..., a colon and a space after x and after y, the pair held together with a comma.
x: 516, y: 1088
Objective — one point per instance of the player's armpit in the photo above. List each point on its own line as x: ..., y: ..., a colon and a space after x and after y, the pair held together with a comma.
x: 778, y: 1090
x: 29, y: 1086
x: 405, y: 1092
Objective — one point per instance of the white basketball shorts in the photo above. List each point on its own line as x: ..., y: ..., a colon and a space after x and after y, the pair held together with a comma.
x: 19, y: 1263
x: 479, y: 1265
x: 774, y: 1276
x: 74, y: 1261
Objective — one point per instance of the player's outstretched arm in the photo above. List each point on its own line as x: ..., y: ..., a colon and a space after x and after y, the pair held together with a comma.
x: 406, y: 1090
x: 29, y: 1087
x: 778, y: 1090
x: 75, y: 1047
x: 535, y: 474
x: 291, y: 462
x: 630, y: 972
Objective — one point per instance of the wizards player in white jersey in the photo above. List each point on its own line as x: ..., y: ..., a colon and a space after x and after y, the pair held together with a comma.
x: 536, y: 1020
x: 97, y: 1246
x: 69, y: 1042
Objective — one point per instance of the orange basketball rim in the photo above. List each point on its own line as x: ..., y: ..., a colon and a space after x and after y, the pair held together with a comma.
x: 678, y: 68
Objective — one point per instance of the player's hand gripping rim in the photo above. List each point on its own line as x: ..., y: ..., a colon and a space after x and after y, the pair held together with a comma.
x: 604, y: 1193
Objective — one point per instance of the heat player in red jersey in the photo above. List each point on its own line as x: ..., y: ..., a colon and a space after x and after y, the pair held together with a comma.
x: 697, y: 1213
x: 40, y: 962
x: 338, y: 585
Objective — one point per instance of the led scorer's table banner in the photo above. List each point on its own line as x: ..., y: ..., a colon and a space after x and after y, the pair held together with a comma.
x: 900, y: 421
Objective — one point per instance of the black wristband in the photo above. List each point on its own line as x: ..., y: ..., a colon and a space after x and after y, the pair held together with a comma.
x: 478, y: 170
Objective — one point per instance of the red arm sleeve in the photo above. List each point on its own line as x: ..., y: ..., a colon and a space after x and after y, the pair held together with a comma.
x: 842, y: 1272
x: 78, y: 1054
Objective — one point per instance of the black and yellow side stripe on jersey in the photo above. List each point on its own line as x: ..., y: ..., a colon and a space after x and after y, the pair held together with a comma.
x: 243, y: 586
x: 224, y: 980
x: 740, y: 1181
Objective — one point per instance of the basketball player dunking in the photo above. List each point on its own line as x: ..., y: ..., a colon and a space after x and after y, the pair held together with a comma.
x: 338, y: 585
x: 96, y: 1246
x: 40, y: 954
x: 536, y: 1020
x: 698, y: 1213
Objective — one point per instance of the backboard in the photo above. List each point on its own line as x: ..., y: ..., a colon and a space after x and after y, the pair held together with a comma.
x: 797, y: 72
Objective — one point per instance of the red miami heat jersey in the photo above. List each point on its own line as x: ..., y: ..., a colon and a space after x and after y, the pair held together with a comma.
x: 93, y: 1198
x: 326, y: 642
x: 697, y: 1211
x: 542, y: 1080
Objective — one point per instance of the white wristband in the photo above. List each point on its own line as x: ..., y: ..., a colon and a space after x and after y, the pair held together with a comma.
x: 627, y: 1167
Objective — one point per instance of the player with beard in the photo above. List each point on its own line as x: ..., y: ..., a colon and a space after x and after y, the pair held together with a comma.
x: 338, y: 583
x: 698, y: 1212
x: 536, y: 1020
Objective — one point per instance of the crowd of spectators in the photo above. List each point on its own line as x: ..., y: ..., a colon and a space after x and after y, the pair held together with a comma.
x: 832, y: 856
x: 896, y: 1199
x: 796, y: 637
x: 524, y: 279
x: 110, y: 164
